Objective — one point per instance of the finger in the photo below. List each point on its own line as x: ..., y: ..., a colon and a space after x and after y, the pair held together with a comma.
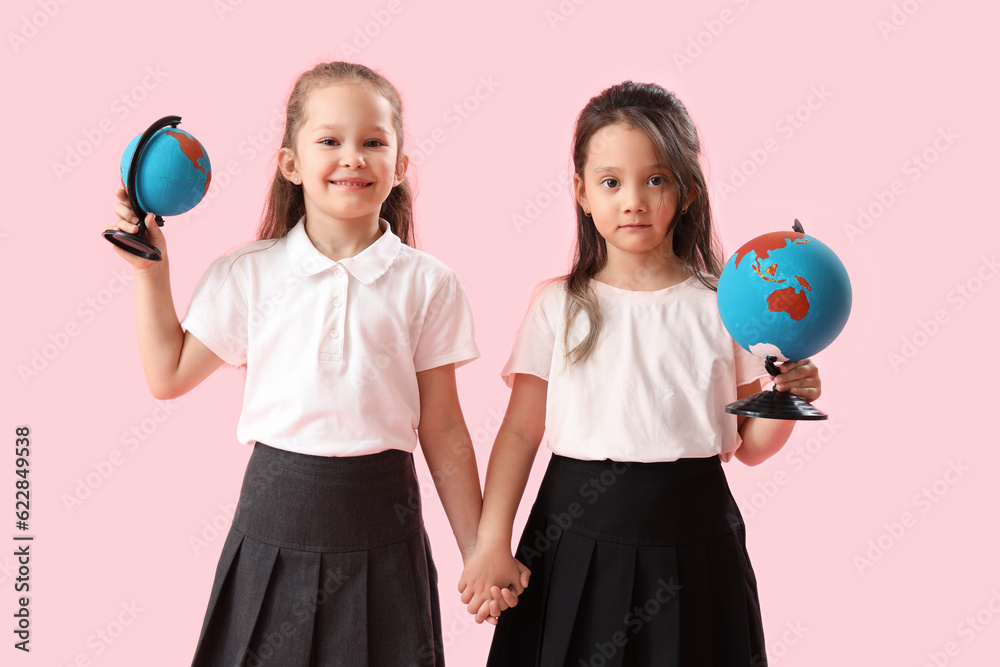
x: 525, y: 576
x: 483, y: 612
x: 789, y: 365
x: 806, y: 382
x: 509, y: 596
x: 497, y: 598
x: 121, y: 195
x: 122, y: 225
x: 492, y: 621
x: 467, y: 595
x: 495, y: 609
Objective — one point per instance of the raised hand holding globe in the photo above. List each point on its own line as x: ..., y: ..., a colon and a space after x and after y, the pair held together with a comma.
x: 783, y: 296
x: 165, y: 171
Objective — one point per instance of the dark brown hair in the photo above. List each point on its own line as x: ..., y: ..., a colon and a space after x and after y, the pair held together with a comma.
x: 285, y: 202
x: 665, y: 121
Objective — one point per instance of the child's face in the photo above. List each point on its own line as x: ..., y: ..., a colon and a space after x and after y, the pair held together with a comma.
x: 345, y: 154
x: 631, y: 198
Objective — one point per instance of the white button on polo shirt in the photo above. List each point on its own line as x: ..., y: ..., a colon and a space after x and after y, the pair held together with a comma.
x: 332, y: 348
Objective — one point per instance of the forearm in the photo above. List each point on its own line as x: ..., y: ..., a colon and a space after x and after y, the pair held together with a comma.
x: 763, y: 438
x: 160, y: 335
x: 452, y: 461
x: 506, y: 477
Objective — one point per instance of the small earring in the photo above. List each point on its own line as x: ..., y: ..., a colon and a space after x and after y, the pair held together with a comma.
x: 684, y: 210
x: 587, y: 213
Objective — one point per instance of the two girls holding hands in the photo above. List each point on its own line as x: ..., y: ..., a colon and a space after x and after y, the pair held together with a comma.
x: 349, y: 339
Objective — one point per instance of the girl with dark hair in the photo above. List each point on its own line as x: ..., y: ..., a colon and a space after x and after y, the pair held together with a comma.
x: 635, y: 544
x: 349, y: 338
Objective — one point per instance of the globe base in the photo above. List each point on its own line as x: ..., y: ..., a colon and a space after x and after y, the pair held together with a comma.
x: 133, y: 243
x: 774, y: 404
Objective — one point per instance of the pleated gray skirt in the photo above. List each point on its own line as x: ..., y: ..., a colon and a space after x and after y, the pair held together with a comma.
x: 327, y: 563
x: 633, y: 565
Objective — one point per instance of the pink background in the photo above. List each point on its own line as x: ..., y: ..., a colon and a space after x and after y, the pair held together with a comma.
x: 855, y: 566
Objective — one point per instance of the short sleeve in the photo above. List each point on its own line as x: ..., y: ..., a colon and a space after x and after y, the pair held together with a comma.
x: 535, y: 341
x: 748, y: 366
x: 218, y: 312
x: 447, y: 335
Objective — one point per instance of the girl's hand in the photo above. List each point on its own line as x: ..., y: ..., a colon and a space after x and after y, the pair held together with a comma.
x: 491, y: 582
x: 127, y: 222
x: 800, y: 378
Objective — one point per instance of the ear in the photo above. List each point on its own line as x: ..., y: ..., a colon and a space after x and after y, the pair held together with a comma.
x: 691, y: 196
x: 401, y: 165
x: 581, y: 192
x: 288, y: 164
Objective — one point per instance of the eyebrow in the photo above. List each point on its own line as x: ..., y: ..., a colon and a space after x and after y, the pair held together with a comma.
x: 603, y: 169
x: 337, y: 126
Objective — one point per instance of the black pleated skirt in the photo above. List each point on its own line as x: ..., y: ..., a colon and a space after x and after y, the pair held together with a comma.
x: 633, y: 564
x: 327, y: 563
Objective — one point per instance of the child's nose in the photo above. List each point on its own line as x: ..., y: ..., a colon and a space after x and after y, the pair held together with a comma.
x: 633, y: 200
x: 354, y: 158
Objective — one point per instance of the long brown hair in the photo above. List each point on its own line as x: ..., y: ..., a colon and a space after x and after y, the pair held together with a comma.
x: 285, y: 202
x: 665, y: 121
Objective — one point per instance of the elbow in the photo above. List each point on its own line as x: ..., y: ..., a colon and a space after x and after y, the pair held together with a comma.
x: 163, y: 391
x: 748, y: 457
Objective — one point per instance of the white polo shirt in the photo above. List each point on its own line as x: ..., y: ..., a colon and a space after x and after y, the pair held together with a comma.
x: 331, y: 348
x: 657, y: 384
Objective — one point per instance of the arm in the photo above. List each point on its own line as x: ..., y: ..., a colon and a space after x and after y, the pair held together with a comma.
x: 763, y: 438
x: 510, y: 464
x: 447, y: 446
x: 174, y: 361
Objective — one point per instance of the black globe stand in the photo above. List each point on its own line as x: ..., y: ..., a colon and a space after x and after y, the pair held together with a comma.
x: 137, y: 243
x: 774, y: 404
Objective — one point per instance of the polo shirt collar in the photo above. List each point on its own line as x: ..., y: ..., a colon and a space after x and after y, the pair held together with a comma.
x: 366, y: 266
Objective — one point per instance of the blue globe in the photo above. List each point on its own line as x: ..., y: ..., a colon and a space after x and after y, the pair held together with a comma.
x: 784, y: 294
x: 173, y: 172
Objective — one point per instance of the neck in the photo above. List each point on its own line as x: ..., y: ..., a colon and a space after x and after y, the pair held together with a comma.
x: 340, y: 239
x: 652, y: 270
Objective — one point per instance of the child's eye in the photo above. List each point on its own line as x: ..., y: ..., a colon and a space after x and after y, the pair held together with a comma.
x: 610, y: 182
x: 374, y: 143
x: 657, y: 180
x: 329, y: 142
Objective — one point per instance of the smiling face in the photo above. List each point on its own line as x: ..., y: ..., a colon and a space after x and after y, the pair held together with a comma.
x: 346, y: 154
x: 628, y: 192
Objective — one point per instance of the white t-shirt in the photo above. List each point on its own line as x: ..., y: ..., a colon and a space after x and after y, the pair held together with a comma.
x: 331, y: 348
x: 657, y: 384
